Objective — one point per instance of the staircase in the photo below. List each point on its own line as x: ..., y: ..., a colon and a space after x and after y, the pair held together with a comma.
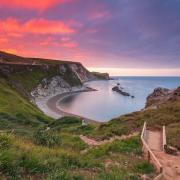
x: 153, y: 145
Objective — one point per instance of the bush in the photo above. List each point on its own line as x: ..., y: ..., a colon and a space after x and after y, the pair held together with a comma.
x: 46, y: 139
x: 5, y: 141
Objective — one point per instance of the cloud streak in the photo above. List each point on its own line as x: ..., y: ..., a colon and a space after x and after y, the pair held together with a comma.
x: 31, y: 4
x: 35, y: 26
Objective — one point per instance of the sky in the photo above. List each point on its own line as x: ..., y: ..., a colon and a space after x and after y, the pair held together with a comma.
x: 122, y: 37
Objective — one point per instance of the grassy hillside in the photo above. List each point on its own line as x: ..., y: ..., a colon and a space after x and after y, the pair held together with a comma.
x: 167, y: 114
x: 17, y: 111
x: 32, y: 152
x: 60, y: 154
x: 15, y: 59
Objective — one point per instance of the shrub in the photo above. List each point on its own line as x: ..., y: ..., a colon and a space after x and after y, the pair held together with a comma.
x: 46, y: 139
x: 5, y: 141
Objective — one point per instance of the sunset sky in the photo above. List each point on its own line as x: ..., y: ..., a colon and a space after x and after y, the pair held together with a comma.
x: 123, y: 37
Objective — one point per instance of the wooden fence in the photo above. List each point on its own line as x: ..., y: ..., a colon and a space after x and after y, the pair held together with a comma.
x: 148, y: 152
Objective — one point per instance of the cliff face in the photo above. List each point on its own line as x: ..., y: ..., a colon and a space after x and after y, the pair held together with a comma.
x: 42, y: 77
x: 161, y: 96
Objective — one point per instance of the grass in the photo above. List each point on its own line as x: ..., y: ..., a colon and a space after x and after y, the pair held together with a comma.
x: 24, y: 158
x: 16, y: 109
x: 168, y: 114
x: 32, y: 151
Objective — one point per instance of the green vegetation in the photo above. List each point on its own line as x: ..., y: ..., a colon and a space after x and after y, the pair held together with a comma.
x: 167, y: 114
x: 34, y: 146
x: 28, y: 78
x: 45, y: 138
x: 23, y: 158
x: 16, y: 111
x: 101, y: 75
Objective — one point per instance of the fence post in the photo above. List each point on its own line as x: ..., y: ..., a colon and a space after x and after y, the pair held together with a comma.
x: 149, y: 157
x: 164, y: 139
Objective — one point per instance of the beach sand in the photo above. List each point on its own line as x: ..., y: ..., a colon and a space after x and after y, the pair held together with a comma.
x: 49, y: 105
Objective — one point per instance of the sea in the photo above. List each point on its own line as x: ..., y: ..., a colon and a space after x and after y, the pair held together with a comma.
x: 105, y: 104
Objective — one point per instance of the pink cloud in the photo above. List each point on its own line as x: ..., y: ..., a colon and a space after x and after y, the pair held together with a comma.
x: 65, y: 42
x: 3, y: 40
x: 70, y: 44
x: 34, y: 26
x: 31, y: 4
x: 42, y: 26
x: 99, y: 15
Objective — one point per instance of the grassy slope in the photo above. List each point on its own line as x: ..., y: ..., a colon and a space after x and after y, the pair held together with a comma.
x: 168, y: 114
x: 31, y: 152
x: 56, y: 154
x: 16, y: 110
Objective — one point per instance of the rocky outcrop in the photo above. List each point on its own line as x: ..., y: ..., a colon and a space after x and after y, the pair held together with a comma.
x: 162, y: 95
x: 51, y: 86
x: 117, y: 89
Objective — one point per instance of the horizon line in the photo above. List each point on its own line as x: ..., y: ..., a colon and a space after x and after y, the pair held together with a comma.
x: 149, y: 72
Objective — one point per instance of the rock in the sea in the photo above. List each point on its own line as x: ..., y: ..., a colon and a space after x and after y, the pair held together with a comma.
x: 116, y: 88
x: 118, y: 84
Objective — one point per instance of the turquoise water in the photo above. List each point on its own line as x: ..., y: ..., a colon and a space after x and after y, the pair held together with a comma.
x: 104, y: 104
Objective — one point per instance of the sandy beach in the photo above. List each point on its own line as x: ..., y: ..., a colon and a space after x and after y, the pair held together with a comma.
x: 49, y: 105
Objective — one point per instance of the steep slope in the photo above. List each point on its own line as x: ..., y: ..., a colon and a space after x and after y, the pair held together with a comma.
x: 31, y: 76
x: 16, y: 111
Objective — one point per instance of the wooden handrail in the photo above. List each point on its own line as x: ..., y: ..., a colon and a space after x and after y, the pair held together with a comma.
x: 151, y: 154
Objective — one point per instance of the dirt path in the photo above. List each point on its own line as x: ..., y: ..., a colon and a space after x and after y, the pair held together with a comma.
x: 93, y: 142
x: 154, y: 140
x: 170, y: 163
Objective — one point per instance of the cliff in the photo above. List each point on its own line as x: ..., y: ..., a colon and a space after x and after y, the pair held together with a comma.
x: 101, y: 75
x: 42, y: 77
x: 161, y: 96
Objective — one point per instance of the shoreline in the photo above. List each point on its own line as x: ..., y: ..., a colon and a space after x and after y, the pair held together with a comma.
x: 52, y: 104
x: 49, y: 105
